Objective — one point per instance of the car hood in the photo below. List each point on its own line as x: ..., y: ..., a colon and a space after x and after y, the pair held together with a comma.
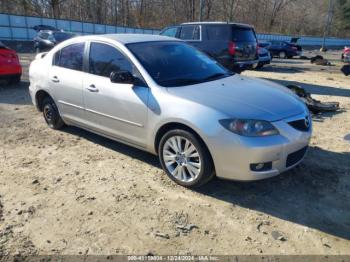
x: 244, y: 97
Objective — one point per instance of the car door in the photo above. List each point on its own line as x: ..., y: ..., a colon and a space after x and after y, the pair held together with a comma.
x: 114, y: 109
x: 275, y: 47
x: 66, y: 79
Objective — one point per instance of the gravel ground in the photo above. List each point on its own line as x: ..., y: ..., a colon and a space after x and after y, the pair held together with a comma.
x: 73, y: 192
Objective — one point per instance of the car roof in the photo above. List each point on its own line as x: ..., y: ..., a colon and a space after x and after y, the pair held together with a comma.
x: 131, y: 38
x: 218, y: 23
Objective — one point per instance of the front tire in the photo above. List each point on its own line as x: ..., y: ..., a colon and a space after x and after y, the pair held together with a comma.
x: 51, y: 114
x: 185, y: 158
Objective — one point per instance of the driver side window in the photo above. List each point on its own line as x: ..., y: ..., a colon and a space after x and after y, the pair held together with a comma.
x: 104, y: 59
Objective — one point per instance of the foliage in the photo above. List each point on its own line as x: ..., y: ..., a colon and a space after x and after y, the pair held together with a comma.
x: 271, y: 16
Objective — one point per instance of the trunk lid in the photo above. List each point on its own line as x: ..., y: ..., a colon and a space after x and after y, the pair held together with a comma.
x: 245, y: 42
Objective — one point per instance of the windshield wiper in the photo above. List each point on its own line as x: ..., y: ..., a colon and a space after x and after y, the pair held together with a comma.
x: 179, y: 82
x: 216, y: 76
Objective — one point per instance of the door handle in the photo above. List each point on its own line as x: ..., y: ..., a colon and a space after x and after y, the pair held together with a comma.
x: 92, y: 88
x: 55, y: 79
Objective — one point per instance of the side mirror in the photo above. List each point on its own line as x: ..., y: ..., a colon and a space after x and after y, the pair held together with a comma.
x: 121, y: 77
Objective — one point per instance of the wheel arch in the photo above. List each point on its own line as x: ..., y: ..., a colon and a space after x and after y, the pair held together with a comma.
x: 39, y: 98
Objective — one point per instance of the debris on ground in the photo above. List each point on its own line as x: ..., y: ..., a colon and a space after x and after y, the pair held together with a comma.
x: 319, y: 60
x: 346, y: 70
x: 315, y: 106
x: 262, y: 223
x: 186, y: 228
x: 278, y: 236
x: 162, y: 235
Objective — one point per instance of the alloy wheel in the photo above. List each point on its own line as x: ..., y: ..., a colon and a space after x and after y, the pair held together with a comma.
x: 48, y: 113
x: 182, y: 159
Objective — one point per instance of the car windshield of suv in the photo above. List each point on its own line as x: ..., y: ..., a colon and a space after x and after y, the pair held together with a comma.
x: 240, y: 34
x: 60, y: 36
x: 173, y: 64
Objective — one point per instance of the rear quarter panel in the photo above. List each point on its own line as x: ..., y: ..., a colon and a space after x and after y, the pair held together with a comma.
x: 38, y: 76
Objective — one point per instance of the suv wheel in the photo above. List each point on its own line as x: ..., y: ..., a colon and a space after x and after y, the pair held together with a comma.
x: 185, y: 159
x: 51, y: 114
x: 283, y: 55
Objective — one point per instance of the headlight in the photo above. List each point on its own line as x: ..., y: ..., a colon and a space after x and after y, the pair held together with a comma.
x: 252, y: 128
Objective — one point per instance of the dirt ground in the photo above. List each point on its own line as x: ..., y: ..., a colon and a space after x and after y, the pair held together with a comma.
x: 73, y: 192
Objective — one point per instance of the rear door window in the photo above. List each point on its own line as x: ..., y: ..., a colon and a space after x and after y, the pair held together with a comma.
x: 190, y: 32
x: 70, y: 57
x: 243, y: 34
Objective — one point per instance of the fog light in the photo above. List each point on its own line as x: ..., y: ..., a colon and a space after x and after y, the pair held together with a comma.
x: 261, y: 167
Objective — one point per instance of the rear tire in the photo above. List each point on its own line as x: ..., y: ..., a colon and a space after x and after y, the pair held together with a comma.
x: 259, y: 66
x: 185, y: 158
x: 51, y: 114
x: 282, y: 55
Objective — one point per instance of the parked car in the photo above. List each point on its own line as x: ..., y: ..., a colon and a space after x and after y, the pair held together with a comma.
x: 166, y: 97
x: 231, y: 44
x: 264, y: 54
x: 46, y: 39
x: 38, y: 28
x: 10, y: 67
x: 345, y: 56
x: 283, y: 49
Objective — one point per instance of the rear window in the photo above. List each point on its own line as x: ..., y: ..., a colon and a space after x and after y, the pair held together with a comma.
x: 243, y: 35
x: 217, y: 32
x: 44, y: 35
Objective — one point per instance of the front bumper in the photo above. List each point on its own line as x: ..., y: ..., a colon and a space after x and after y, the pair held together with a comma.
x: 233, y: 154
x: 265, y: 59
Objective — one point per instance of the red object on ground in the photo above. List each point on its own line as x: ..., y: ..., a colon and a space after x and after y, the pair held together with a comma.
x: 9, y: 63
x: 346, y: 50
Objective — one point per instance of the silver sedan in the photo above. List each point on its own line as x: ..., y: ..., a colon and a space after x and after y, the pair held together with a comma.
x: 165, y: 97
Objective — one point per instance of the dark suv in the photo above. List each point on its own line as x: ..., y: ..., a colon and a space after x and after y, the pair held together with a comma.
x: 231, y: 44
x: 46, y: 39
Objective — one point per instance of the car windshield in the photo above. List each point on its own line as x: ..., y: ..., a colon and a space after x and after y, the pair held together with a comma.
x: 173, y: 64
x: 60, y: 36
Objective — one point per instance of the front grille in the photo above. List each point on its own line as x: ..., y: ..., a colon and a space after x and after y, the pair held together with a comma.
x: 301, y: 125
x: 295, y: 157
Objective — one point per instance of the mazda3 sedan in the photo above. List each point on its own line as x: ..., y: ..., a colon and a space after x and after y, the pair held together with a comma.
x: 164, y: 96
